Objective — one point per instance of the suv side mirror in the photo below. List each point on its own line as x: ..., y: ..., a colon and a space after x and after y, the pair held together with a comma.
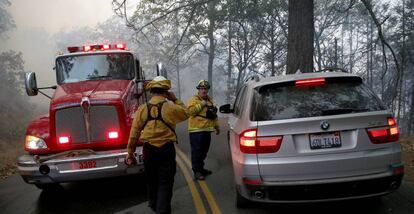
x: 31, y: 84
x: 225, y: 109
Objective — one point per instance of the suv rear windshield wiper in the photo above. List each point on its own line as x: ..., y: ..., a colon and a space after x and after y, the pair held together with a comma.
x: 342, y: 111
x: 99, y: 77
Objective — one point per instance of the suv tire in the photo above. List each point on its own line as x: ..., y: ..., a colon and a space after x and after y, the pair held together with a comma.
x: 241, y: 202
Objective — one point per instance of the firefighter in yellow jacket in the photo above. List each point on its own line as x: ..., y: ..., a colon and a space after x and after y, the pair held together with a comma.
x: 154, y: 124
x: 203, y: 120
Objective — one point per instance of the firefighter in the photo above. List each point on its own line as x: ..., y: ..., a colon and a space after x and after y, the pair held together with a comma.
x: 203, y: 120
x: 154, y: 124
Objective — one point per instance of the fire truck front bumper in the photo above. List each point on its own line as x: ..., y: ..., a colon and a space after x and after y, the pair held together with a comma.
x: 76, y: 166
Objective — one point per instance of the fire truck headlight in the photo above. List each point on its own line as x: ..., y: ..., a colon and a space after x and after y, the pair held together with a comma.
x: 32, y: 142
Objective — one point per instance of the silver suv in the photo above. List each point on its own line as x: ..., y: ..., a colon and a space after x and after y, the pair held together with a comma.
x: 312, y: 137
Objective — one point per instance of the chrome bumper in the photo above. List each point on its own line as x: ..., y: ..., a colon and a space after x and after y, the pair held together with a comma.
x: 101, y: 164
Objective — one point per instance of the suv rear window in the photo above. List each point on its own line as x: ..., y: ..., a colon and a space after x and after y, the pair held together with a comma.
x: 285, y: 101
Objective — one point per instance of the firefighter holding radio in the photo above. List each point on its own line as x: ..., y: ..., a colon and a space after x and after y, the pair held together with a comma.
x: 154, y: 123
x: 203, y: 120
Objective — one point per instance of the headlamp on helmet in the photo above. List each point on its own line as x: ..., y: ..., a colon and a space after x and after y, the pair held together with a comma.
x: 159, y: 82
x: 204, y: 84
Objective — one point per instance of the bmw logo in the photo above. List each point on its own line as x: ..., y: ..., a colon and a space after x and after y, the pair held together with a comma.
x: 324, y: 125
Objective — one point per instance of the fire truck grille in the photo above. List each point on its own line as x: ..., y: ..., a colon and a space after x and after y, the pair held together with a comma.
x: 73, y: 122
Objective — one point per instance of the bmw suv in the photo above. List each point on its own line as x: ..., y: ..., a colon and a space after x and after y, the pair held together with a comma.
x: 312, y: 137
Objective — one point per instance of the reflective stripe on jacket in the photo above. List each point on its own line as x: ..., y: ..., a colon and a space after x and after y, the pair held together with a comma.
x: 197, y: 121
x: 156, y: 132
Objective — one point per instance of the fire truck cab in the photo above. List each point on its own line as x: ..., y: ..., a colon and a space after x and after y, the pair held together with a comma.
x: 85, y: 133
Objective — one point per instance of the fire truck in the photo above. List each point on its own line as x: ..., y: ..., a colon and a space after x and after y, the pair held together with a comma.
x: 85, y: 133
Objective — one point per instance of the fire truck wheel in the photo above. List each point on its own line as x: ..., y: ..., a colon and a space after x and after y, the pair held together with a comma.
x: 49, y: 187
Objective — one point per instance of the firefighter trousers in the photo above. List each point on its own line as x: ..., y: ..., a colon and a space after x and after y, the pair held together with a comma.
x: 200, y: 144
x: 160, y: 169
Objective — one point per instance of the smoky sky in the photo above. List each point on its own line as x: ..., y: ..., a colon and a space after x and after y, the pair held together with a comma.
x: 36, y: 23
x: 56, y: 15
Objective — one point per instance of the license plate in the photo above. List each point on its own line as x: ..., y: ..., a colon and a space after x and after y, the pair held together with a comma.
x: 325, y: 140
x: 87, y: 164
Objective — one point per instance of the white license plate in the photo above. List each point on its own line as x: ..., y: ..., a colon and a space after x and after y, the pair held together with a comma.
x: 325, y: 140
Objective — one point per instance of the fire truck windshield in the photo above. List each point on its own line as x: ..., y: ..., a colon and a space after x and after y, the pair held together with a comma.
x: 102, y: 66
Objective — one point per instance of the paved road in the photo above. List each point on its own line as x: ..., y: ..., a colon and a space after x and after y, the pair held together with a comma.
x: 215, y: 195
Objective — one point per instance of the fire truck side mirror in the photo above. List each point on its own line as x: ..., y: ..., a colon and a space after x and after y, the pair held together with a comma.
x: 161, y: 70
x: 31, y: 84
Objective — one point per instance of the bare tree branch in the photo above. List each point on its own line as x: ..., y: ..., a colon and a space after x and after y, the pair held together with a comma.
x: 384, y: 42
x: 184, y: 32
x: 171, y: 11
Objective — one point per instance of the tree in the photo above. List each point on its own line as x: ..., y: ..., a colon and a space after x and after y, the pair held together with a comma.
x: 300, y: 36
x: 6, y: 21
x: 200, y: 20
x: 275, y: 36
x: 403, y: 40
x: 12, y: 102
x: 248, y: 30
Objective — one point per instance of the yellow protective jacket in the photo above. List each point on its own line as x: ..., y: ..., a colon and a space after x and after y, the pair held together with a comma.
x: 197, y: 121
x: 156, y: 132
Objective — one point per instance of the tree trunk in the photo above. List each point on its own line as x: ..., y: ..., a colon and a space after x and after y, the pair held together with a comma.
x: 318, y: 53
x: 336, y: 53
x: 211, y: 54
x: 229, y: 66
x: 401, y: 89
x: 372, y: 53
x: 411, y: 120
x: 177, y: 24
x: 272, y: 48
x: 351, y: 60
x: 368, y: 53
x: 300, y: 36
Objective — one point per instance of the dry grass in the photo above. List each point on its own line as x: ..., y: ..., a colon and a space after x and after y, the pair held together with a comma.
x: 9, y: 151
x: 407, y: 145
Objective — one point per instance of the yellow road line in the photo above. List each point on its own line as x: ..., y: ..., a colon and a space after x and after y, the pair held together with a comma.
x: 196, y: 196
x: 210, y: 198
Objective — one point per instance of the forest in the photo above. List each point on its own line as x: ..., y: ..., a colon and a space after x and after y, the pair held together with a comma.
x: 227, y: 41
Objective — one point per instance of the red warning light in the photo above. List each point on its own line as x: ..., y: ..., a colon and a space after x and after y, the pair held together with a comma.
x: 120, y: 46
x: 64, y: 139
x: 87, y: 48
x: 106, y: 47
x: 113, y: 135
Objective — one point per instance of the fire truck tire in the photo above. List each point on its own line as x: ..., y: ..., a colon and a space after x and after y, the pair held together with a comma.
x: 49, y: 187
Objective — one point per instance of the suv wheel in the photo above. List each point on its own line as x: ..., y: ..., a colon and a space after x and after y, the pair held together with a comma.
x: 241, y: 202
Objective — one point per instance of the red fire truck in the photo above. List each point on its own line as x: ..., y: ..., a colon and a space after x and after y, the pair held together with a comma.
x: 85, y: 133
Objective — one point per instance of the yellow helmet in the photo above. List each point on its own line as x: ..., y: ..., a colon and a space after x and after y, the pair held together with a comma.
x: 159, y: 82
x: 203, y: 83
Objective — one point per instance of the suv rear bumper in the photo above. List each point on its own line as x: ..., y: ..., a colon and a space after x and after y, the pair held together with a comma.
x: 65, y: 168
x: 321, y: 192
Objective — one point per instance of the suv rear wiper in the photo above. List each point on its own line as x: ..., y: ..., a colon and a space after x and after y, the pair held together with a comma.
x: 342, y: 111
x: 98, y: 77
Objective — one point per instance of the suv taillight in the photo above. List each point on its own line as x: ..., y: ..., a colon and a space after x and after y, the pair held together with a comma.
x: 385, y: 134
x: 310, y: 82
x: 251, y: 144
